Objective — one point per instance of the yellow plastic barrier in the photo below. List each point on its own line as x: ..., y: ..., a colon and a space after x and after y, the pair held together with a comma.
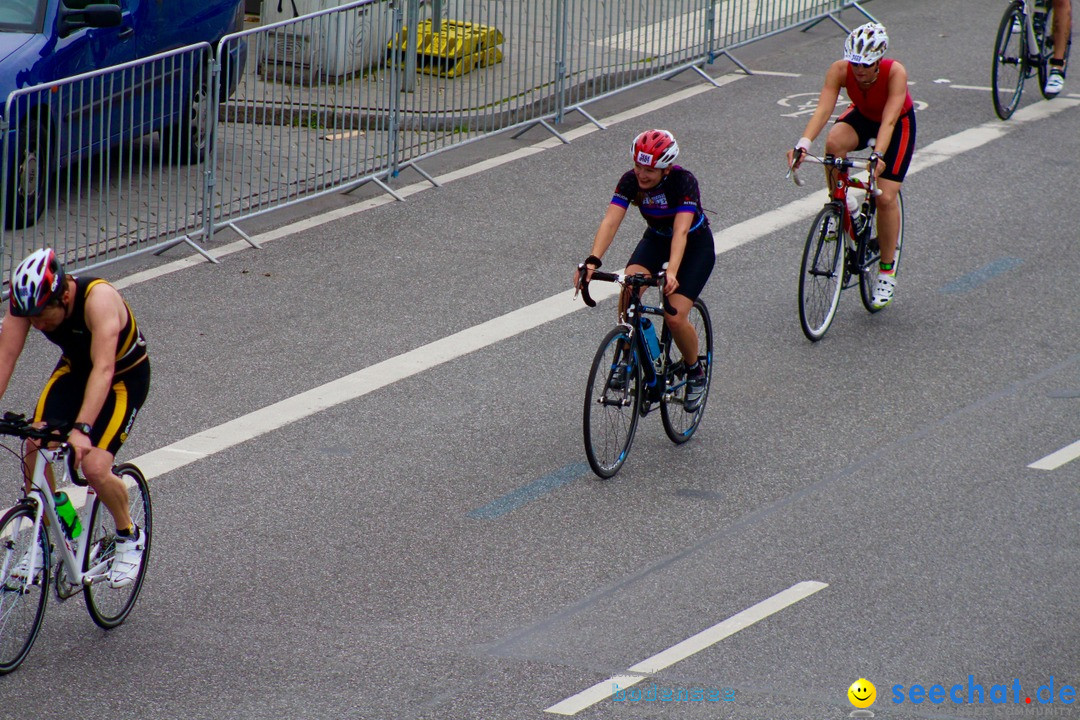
x: 454, y: 50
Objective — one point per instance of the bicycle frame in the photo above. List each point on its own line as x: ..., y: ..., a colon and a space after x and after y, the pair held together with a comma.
x: 41, y: 496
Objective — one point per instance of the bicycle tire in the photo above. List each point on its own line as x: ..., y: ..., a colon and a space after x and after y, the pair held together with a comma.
x: 821, y: 274
x: 22, y: 605
x: 610, y: 418
x: 109, y: 606
x: 1010, y: 62
x: 679, y: 424
x: 869, y: 276
x: 1046, y: 45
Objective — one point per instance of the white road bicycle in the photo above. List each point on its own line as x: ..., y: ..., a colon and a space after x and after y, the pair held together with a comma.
x: 1024, y: 46
x: 34, y: 547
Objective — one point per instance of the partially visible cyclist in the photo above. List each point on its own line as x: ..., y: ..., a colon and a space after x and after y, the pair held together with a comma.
x: 678, y: 234
x: 1062, y: 33
x: 881, y: 110
x: 97, y: 387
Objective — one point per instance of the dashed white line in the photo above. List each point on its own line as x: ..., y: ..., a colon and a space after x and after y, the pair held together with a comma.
x: 692, y: 645
x: 1056, y: 459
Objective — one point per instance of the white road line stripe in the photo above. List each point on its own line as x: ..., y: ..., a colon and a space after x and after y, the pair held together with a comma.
x: 364, y: 381
x: 1056, y: 459
x: 704, y: 639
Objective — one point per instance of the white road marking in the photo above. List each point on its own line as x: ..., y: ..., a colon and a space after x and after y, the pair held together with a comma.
x: 362, y: 382
x: 1056, y: 459
x: 692, y: 645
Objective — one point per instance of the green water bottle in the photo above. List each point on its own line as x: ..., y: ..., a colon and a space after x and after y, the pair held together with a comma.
x: 69, y: 516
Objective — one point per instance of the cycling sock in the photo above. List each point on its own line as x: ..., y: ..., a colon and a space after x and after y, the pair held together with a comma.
x: 887, y: 268
x: 131, y: 533
x: 1054, y: 62
x: 695, y: 369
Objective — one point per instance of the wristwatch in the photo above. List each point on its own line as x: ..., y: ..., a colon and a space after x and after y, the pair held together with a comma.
x: 84, y: 428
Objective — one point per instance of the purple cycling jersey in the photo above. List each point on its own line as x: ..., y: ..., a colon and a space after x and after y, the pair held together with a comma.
x: 676, y: 192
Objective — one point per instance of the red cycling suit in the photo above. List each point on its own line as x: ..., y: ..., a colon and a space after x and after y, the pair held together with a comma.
x: 865, y: 112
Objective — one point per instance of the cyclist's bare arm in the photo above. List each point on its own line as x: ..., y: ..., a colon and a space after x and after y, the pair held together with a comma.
x: 605, y: 234
x: 830, y: 93
x: 12, y: 339
x: 893, y: 107
x: 680, y: 229
x: 105, y: 316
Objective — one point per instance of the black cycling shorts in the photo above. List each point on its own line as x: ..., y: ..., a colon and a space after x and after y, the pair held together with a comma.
x: 902, y: 146
x: 697, y: 264
x: 63, y: 395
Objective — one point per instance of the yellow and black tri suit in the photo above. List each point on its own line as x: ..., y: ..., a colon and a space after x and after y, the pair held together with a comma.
x: 63, y: 394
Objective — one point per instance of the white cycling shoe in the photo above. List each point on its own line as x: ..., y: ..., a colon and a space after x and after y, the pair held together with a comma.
x: 127, y: 560
x: 884, y: 288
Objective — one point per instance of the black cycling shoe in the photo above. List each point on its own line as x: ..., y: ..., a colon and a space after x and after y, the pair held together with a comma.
x: 617, y: 381
x: 695, y: 391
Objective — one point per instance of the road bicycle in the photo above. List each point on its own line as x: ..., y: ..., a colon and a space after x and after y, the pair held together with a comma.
x: 633, y: 372
x: 32, y: 528
x: 1024, y: 46
x: 841, y: 249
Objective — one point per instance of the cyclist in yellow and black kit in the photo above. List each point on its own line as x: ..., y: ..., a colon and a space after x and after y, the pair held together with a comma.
x: 97, y: 387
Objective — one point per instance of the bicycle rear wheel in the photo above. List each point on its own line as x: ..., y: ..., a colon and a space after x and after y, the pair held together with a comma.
x: 1010, y: 62
x: 679, y: 424
x: 22, y: 600
x: 612, y: 400
x: 109, y: 606
x: 871, y: 254
x: 821, y: 276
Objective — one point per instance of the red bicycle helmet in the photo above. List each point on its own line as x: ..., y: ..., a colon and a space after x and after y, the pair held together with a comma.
x: 34, y: 282
x: 655, y: 149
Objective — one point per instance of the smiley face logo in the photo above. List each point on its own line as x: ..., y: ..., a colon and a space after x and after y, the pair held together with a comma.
x: 862, y: 693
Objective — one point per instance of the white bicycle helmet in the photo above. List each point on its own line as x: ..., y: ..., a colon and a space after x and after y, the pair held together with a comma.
x: 866, y: 44
x: 34, y: 282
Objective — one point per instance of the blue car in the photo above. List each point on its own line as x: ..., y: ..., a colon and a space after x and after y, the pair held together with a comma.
x: 44, y: 41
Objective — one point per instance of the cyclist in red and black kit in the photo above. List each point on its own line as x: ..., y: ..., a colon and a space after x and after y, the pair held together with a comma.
x: 96, y: 389
x: 678, y: 234
x: 881, y: 110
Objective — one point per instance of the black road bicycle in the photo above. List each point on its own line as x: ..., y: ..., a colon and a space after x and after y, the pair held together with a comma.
x: 634, y: 371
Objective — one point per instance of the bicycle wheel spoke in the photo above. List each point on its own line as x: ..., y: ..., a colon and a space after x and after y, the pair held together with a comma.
x: 1010, y: 63
x: 611, y: 404
x: 679, y: 424
x: 22, y: 599
x: 109, y: 606
x: 822, y: 273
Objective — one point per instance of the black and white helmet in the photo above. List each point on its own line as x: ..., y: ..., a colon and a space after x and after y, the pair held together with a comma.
x: 866, y: 44
x: 34, y: 282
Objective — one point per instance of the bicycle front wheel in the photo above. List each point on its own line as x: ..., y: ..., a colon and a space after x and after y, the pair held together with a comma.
x: 109, y: 606
x: 821, y: 277
x: 679, y: 424
x: 612, y: 400
x: 1010, y: 62
x: 22, y: 597
x: 868, y: 259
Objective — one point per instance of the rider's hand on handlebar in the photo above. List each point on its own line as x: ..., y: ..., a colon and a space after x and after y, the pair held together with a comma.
x: 671, y: 283
x: 81, y: 445
x: 795, y: 155
x: 879, y: 164
x: 584, y: 271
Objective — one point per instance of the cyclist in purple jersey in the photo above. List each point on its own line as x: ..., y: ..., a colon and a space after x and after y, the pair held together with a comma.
x: 678, y: 234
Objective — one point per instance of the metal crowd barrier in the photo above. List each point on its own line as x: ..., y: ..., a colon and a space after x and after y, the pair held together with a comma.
x: 325, y: 102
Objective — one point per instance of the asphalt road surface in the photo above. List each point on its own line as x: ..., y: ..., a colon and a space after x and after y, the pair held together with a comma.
x: 370, y: 493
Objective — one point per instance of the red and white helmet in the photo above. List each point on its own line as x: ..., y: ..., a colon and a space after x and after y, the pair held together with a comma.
x: 866, y: 44
x: 34, y: 282
x: 655, y: 149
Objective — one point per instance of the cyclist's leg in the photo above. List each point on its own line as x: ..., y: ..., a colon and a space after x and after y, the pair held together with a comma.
x: 108, y: 434
x: 897, y: 158
x: 1062, y: 28
x: 699, y: 257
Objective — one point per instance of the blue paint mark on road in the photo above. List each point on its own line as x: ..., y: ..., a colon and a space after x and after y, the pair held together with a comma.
x: 973, y: 279
x: 516, y: 498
